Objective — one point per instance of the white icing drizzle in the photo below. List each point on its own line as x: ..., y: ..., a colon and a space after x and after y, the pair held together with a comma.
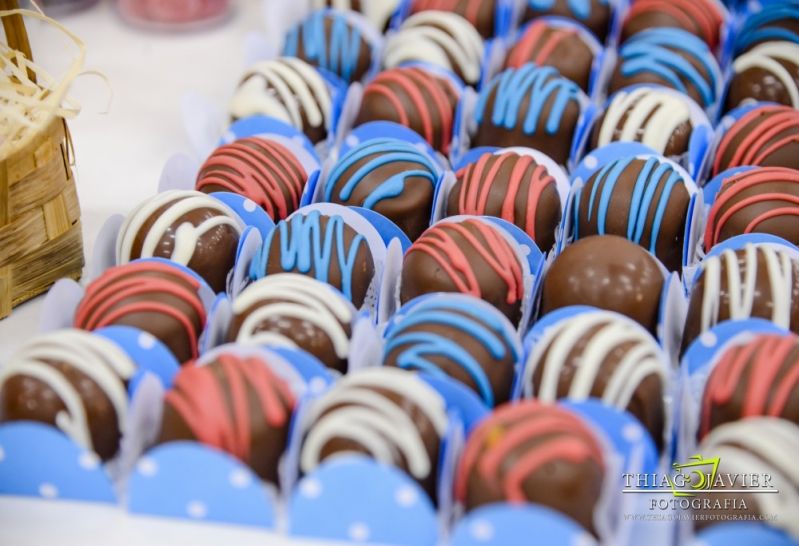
x: 741, y: 286
x: 639, y: 105
x: 377, y: 11
x: 186, y: 234
x: 440, y: 38
x: 99, y: 359
x: 639, y: 362
x: 762, y: 445
x: 308, y: 300
x: 374, y: 421
x: 284, y: 88
x: 766, y: 56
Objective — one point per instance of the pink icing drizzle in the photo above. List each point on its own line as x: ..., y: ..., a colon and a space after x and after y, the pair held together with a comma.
x: 262, y: 170
x: 764, y: 358
x: 752, y: 149
x: 438, y: 243
x: 199, y: 397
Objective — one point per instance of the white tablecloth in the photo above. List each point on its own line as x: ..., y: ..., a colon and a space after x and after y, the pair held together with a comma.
x: 120, y: 152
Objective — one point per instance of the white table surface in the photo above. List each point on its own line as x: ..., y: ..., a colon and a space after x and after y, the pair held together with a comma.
x: 120, y: 152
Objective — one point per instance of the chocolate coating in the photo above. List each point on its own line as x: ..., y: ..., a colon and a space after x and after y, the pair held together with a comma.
x: 188, y: 227
x: 154, y: 296
x: 767, y: 73
x: 324, y: 247
x: 767, y: 135
x: 288, y: 89
x: 389, y: 176
x: 453, y: 334
x: 262, y: 170
x: 756, y: 446
x: 298, y: 311
x: 593, y: 14
x: 384, y: 408
x: 772, y: 21
x: 415, y: 98
x: 328, y: 39
x: 379, y: 12
x: 773, y: 275
x: 561, y: 46
x: 601, y: 355
x: 73, y: 381
x: 756, y: 200
x: 529, y: 106
x: 645, y: 200
x: 760, y: 377
x: 469, y: 256
x: 480, y: 13
x: 650, y: 115
x: 670, y: 57
x: 608, y: 272
x: 532, y: 452
x: 513, y: 187
x: 699, y: 17
x: 233, y: 403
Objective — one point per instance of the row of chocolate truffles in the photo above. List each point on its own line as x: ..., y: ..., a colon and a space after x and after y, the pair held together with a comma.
x: 243, y: 402
x: 450, y: 48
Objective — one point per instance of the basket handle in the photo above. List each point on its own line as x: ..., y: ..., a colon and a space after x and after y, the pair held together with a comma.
x: 16, y: 33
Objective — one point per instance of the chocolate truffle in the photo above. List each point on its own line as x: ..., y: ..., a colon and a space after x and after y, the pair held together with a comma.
x: 235, y: 404
x: 385, y: 413
x: 767, y: 73
x: 415, y: 98
x: 480, y: 13
x: 513, y: 187
x: 772, y: 21
x: 754, y: 281
x: 456, y: 335
x: 292, y: 310
x: 470, y: 256
x: 533, y: 452
x: 767, y: 135
x: 644, y: 200
x: 438, y: 38
x: 763, y: 448
x: 378, y: 12
x: 656, y: 117
x: 758, y: 200
x: 559, y: 45
x: 593, y: 14
x: 187, y: 227
x: 529, y: 106
x: 287, y: 89
x: 262, y: 170
x: 608, y: 272
x: 671, y: 57
x: 72, y: 380
x: 331, y: 40
x: 321, y: 246
x: 390, y: 176
x: 151, y: 295
x: 703, y: 18
x: 760, y: 377
x: 603, y: 355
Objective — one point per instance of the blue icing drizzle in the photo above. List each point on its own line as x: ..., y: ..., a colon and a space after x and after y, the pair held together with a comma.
x: 652, y: 51
x: 539, y: 84
x: 339, y: 56
x: 579, y: 8
x: 487, y: 329
x: 641, y: 202
x: 757, y: 29
x: 306, y: 245
x: 385, y: 152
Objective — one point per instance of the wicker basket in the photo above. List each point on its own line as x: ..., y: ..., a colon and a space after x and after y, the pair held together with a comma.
x: 40, y: 231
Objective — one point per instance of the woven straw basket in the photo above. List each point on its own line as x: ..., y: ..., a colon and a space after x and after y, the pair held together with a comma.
x: 40, y: 231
